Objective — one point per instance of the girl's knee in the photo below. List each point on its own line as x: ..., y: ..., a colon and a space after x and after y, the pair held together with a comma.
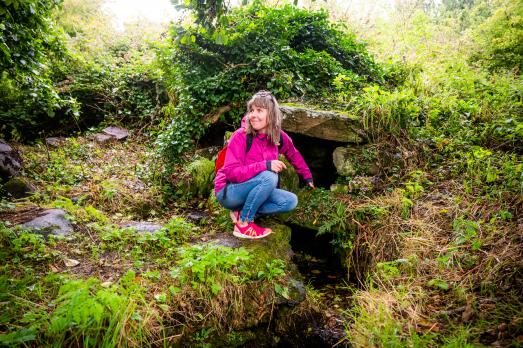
x: 269, y: 178
x: 292, y: 201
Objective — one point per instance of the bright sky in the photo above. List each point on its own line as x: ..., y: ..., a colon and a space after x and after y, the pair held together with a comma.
x: 163, y: 11
x: 129, y: 10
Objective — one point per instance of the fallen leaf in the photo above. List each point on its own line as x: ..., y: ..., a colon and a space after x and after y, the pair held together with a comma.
x: 54, y: 268
x: 106, y: 284
x: 71, y: 262
x: 316, y: 271
x: 468, y: 312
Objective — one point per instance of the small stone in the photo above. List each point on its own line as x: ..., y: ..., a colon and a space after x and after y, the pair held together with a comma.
x: 143, y: 226
x: 196, y: 217
x: 102, y: 138
x: 71, y: 262
x: 117, y: 132
x: 54, y: 141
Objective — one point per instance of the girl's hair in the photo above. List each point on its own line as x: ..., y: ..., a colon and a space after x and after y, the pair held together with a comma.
x: 265, y: 99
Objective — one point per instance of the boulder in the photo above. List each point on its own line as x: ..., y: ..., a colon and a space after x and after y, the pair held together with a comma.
x: 356, y: 160
x: 10, y: 161
x: 117, y: 132
x: 51, y: 221
x: 18, y: 188
x: 327, y: 125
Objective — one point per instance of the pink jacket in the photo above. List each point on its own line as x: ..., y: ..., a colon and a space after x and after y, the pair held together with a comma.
x: 240, y: 166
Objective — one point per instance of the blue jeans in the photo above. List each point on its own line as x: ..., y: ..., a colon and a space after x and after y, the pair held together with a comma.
x: 257, y: 195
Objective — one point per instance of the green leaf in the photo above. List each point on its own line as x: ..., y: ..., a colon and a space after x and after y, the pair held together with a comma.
x: 18, y: 337
x: 215, y: 288
x: 438, y: 284
x: 219, y: 39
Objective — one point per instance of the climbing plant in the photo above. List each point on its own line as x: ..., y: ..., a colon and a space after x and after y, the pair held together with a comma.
x: 29, y: 44
x: 295, y: 53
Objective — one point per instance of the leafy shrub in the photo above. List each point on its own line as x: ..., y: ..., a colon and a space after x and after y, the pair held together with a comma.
x: 211, y: 266
x: 499, y: 38
x: 29, y: 45
x: 292, y: 52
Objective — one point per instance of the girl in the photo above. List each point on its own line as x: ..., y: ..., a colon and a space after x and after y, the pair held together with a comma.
x: 246, y: 184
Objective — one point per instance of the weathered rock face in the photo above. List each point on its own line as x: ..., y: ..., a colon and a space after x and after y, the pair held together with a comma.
x: 51, y: 221
x: 356, y: 160
x: 10, y: 161
x: 325, y: 125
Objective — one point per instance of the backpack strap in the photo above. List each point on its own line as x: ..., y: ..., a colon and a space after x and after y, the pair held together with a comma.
x: 249, y: 142
x: 281, y: 143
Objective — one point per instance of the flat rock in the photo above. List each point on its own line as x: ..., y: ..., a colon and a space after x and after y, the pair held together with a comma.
x: 117, y: 132
x: 321, y: 124
x: 51, y: 221
x: 143, y: 226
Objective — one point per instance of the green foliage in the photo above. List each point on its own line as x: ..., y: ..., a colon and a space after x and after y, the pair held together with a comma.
x: 292, y: 52
x: 20, y: 245
x: 161, y: 244
x: 29, y: 45
x: 201, y: 175
x: 120, y: 86
x: 211, y: 266
x: 208, y: 13
x: 500, y: 37
x: 85, y: 311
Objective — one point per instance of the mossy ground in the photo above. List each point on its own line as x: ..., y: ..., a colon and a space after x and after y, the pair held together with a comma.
x: 431, y: 259
x: 187, y: 284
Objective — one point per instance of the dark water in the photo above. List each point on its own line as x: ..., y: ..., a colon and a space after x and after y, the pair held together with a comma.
x: 320, y: 266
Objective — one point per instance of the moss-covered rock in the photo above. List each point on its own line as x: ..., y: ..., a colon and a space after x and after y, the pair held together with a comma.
x: 18, y: 187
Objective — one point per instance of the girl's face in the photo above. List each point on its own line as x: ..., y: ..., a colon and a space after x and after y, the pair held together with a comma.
x: 258, y: 118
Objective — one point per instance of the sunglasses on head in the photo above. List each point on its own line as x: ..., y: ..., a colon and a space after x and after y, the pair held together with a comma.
x: 265, y: 94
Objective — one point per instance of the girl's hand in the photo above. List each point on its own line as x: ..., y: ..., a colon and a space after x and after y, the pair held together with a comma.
x: 277, y: 166
x: 311, y: 185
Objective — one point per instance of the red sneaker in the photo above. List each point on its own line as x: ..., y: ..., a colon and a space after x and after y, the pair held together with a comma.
x: 251, y: 231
